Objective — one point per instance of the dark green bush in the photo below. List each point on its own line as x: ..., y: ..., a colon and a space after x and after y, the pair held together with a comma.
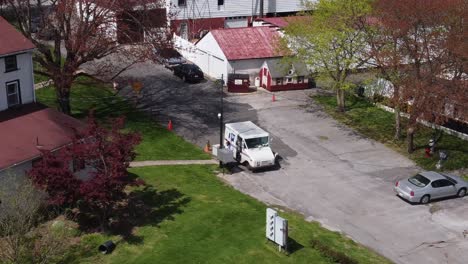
x: 327, y: 251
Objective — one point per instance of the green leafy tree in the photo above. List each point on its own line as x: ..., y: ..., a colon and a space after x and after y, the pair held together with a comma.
x: 331, y: 40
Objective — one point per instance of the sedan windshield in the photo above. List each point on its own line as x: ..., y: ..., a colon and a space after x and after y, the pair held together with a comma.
x: 419, y: 180
x: 257, y: 142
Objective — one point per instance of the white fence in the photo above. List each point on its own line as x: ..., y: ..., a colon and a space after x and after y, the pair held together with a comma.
x: 211, y: 65
x: 431, y: 125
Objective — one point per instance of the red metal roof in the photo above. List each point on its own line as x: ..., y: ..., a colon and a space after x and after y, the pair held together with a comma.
x: 276, y: 21
x: 11, y: 40
x: 21, y: 130
x: 248, y: 42
x: 282, y: 22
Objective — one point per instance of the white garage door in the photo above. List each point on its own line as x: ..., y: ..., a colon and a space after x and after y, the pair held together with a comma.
x: 235, y: 22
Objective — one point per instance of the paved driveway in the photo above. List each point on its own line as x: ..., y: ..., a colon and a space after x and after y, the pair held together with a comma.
x: 333, y: 175
x: 329, y: 173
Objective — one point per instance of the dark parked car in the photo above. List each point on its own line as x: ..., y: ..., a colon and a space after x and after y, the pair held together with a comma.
x: 169, y: 57
x: 170, y: 63
x: 189, y: 72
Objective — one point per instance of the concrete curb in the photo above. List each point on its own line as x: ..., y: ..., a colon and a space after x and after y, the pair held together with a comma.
x: 136, y: 164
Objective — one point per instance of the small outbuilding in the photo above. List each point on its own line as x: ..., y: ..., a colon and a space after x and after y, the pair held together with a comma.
x: 276, y: 75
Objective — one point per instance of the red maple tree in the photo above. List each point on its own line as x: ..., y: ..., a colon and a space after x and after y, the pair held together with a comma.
x: 420, y: 45
x: 105, y: 154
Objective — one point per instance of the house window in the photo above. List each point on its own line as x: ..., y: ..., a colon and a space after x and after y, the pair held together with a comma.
x: 300, y: 79
x: 11, y: 63
x: 184, y: 30
x: 289, y: 80
x: 182, y: 3
x: 279, y: 81
x: 220, y: 2
x: 13, y: 93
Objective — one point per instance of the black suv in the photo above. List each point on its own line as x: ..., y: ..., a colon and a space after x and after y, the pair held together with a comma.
x: 189, y: 72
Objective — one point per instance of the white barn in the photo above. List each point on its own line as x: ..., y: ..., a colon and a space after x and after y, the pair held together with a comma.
x: 237, y: 51
x: 192, y: 18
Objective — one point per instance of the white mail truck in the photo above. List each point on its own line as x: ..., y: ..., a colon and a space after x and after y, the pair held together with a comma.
x: 250, y: 145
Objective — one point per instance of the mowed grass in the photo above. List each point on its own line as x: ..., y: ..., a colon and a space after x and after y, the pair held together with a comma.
x: 202, y: 220
x: 38, y: 78
x: 378, y: 124
x: 157, y: 142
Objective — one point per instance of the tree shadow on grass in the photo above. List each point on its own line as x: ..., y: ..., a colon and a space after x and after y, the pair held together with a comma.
x: 142, y: 206
x: 146, y: 206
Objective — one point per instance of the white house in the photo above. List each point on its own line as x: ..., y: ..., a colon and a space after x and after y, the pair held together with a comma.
x: 26, y: 127
x: 16, y: 68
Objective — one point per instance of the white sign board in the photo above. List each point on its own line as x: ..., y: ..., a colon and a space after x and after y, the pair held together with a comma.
x: 270, y: 223
x: 281, y: 231
x: 238, y: 82
x: 276, y: 228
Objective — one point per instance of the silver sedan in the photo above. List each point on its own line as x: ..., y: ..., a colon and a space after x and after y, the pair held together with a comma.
x: 428, y: 185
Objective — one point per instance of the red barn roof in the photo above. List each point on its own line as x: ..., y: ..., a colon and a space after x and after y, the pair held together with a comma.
x: 276, y: 21
x: 22, y: 130
x: 248, y: 42
x: 283, y: 22
x: 12, y: 41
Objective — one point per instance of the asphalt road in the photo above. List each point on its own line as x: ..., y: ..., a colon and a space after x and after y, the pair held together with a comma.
x: 329, y: 173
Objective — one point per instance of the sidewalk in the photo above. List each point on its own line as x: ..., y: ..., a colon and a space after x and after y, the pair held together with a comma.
x: 145, y: 163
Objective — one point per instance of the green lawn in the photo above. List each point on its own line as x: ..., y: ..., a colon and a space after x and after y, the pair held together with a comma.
x: 39, y: 77
x: 157, y: 144
x: 378, y: 124
x: 199, y: 219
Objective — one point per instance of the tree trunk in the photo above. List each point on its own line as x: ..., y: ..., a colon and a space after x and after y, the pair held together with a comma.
x: 397, y: 123
x: 340, y: 99
x: 63, y: 99
x: 409, y: 139
x: 63, y: 87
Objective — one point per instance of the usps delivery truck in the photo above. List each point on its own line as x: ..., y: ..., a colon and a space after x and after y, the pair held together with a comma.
x: 250, y: 145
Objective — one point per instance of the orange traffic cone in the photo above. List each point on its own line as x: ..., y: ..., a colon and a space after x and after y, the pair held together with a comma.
x: 207, y: 148
x: 273, y: 98
x: 169, y: 125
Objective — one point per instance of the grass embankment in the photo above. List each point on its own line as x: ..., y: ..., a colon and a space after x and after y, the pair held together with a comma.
x: 38, y: 78
x: 378, y: 124
x: 198, y: 219
x: 157, y: 142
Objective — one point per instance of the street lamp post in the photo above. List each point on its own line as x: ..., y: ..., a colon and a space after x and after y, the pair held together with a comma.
x: 221, y: 117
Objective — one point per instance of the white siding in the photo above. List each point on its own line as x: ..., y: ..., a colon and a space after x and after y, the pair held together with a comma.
x: 23, y: 75
x: 251, y: 67
x: 206, y: 54
x: 231, y: 8
x: 280, y: 6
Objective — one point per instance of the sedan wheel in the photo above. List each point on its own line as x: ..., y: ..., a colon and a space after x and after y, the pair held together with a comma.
x: 425, y: 199
x: 461, y: 192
